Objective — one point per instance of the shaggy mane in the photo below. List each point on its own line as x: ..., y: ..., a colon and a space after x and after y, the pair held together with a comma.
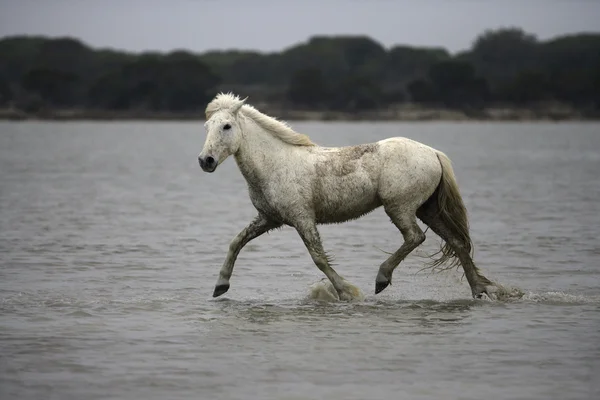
x: 279, y: 129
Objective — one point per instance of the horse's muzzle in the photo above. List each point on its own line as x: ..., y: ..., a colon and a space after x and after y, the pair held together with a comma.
x: 208, y: 164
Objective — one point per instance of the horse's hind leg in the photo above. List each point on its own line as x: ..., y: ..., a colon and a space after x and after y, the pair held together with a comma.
x: 477, y: 281
x: 413, y: 237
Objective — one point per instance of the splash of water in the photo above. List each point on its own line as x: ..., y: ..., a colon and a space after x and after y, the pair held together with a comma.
x: 505, y: 293
x: 323, y: 290
x: 559, y: 298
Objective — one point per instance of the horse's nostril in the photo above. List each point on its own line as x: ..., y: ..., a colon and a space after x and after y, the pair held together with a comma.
x: 210, y: 160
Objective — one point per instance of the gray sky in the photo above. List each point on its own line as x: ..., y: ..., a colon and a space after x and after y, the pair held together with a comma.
x: 270, y: 25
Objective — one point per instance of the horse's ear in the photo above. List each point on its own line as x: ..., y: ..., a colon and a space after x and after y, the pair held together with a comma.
x: 239, y: 105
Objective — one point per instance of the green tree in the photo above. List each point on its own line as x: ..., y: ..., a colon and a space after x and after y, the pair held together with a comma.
x: 178, y: 81
x: 230, y: 65
x: 508, y: 65
x: 335, y: 56
x: 501, y: 54
x: 308, y: 88
x: 64, y: 54
x: 527, y: 87
x: 54, y: 86
x: 595, y: 87
x: 355, y: 93
x: 405, y: 63
x: 456, y: 84
x: 5, y: 91
x: 18, y: 55
x: 572, y: 62
x: 422, y: 91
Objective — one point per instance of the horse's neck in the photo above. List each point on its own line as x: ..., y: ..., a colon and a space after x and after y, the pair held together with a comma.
x: 260, y: 154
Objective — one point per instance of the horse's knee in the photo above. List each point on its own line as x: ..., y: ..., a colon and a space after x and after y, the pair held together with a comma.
x: 459, y: 246
x: 420, y: 238
x: 415, y: 237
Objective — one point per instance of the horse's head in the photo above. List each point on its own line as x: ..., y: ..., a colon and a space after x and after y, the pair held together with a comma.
x: 223, y: 136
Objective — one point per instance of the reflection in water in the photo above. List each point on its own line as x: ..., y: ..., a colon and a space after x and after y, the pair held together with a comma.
x: 424, y: 312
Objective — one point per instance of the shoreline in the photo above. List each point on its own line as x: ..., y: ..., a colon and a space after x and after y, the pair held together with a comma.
x: 409, y: 113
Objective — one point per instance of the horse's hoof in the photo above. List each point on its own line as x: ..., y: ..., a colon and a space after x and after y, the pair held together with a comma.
x: 220, y: 289
x: 379, y: 286
x: 489, y: 291
x: 478, y: 293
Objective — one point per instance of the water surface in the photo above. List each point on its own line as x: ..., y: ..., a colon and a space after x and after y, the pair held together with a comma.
x: 111, y: 239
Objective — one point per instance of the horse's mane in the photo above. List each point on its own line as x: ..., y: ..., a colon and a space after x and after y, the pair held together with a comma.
x: 279, y: 129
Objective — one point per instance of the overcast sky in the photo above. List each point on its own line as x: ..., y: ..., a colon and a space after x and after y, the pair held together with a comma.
x: 271, y: 25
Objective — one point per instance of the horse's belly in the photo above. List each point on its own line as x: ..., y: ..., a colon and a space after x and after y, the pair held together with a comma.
x: 345, y: 202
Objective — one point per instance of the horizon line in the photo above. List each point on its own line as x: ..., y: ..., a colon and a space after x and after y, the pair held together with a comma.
x: 299, y: 43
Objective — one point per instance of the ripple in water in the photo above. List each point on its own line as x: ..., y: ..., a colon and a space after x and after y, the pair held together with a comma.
x: 110, y: 247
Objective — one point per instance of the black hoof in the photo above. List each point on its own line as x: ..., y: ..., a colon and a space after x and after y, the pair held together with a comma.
x: 379, y: 286
x: 220, y: 289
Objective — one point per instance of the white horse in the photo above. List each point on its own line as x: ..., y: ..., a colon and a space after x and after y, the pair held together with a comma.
x: 292, y: 181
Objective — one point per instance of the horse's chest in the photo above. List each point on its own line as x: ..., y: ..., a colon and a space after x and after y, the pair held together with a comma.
x: 266, y: 205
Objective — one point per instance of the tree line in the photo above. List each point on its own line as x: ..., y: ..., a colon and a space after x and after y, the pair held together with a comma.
x: 346, y: 73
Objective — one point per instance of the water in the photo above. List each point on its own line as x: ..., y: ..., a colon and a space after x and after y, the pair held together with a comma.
x: 111, y: 239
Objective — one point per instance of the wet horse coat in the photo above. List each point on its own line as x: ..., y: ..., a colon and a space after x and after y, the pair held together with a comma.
x: 292, y: 181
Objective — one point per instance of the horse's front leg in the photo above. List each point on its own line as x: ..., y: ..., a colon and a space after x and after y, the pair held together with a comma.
x: 310, y: 236
x: 256, y: 228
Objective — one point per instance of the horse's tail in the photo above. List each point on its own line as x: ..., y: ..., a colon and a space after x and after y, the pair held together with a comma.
x: 452, y: 213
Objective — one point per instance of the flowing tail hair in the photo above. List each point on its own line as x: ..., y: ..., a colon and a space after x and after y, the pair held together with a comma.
x: 452, y: 212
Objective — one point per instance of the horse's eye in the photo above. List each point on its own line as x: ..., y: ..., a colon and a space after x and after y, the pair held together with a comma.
x: 227, y: 126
